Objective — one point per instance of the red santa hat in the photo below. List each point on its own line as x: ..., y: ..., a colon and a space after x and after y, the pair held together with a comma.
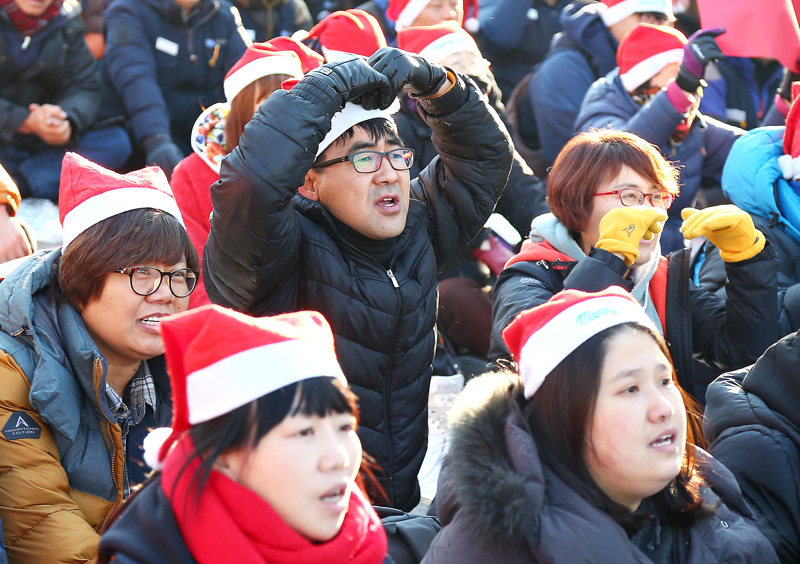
x: 89, y: 193
x: 348, y: 31
x: 790, y: 161
x: 309, y: 59
x: 436, y: 42
x: 219, y: 360
x: 618, y: 10
x: 645, y: 51
x: 258, y: 61
x: 541, y: 337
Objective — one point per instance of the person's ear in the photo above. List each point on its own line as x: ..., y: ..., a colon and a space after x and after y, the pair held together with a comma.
x: 229, y: 463
x: 309, y: 187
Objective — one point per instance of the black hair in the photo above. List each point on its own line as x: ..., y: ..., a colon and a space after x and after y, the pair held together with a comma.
x: 377, y: 128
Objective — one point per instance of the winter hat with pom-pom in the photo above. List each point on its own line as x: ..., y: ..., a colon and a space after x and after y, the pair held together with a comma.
x: 541, y: 337
x: 219, y: 360
x: 645, y: 51
x: 90, y: 193
x: 348, y: 31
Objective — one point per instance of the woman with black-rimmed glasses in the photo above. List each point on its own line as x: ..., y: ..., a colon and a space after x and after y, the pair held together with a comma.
x: 608, y: 192
x: 82, y: 375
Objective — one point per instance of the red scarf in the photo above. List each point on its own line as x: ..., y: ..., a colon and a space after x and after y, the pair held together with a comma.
x: 28, y: 25
x: 231, y: 523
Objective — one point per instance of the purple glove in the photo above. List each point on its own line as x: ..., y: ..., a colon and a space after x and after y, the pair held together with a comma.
x: 701, y: 49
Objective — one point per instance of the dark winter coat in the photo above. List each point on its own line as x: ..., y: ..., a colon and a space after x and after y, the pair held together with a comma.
x: 272, y: 251
x: 583, y: 52
x: 727, y: 334
x: 265, y: 20
x: 165, y: 69
x: 63, y: 72
x: 515, y: 35
x: 499, y: 502
x: 753, y: 180
x: 524, y: 196
x: 701, y: 154
x: 753, y: 414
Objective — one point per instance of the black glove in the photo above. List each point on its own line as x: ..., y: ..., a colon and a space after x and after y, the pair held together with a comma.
x: 785, y: 89
x: 409, y: 72
x: 161, y: 151
x: 701, y: 49
x: 348, y: 80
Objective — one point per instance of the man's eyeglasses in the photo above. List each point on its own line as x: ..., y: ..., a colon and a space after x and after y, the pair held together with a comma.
x: 654, y: 18
x: 632, y: 197
x: 146, y: 280
x: 370, y: 161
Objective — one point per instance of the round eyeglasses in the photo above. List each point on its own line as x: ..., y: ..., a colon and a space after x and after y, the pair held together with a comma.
x: 632, y: 197
x: 146, y: 280
x: 370, y: 161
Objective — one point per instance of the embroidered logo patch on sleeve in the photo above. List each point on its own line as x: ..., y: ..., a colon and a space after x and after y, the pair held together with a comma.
x: 21, y: 426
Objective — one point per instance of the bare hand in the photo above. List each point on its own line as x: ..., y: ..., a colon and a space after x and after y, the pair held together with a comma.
x: 50, y: 123
x: 13, y: 241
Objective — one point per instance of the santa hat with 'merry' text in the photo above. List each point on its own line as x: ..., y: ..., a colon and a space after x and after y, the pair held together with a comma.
x: 437, y: 42
x: 219, y: 360
x: 258, y: 61
x: 645, y: 51
x: 541, y: 337
x: 90, y: 193
x: 348, y: 31
x: 789, y: 162
x: 618, y: 10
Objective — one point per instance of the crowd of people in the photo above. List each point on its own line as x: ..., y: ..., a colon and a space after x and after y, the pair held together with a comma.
x: 282, y: 222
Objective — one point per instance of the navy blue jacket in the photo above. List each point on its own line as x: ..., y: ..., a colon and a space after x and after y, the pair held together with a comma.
x: 581, y: 54
x: 166, y: 68
x: 701, y: 154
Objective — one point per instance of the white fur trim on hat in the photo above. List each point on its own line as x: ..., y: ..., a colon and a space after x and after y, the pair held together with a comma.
x: 569, y: 329
x: 644, y: 70
x: 259, y: 68
x: 152, y: 445
x: 620, y: 11
x: 332, y: 54
x: 353, y: 114
x: 410, y: 12
x: 446, y: 45
x: 790, y: 167
x: 113, y: 202
x: 236, y: 380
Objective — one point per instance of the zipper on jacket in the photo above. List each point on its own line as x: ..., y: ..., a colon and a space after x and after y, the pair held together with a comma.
x: 107, y: 423
x: 393, y: 279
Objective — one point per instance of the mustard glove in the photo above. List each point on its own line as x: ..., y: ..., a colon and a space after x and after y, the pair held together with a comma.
x: 729, y: 228
x: 621, y: 230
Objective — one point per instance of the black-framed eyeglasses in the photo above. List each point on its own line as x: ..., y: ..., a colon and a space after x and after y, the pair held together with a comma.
x: 632, y: 197
x: 370, y: 161
x: 146, y: 280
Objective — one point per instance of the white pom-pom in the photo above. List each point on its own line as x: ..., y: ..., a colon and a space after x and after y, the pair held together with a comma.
x: 152, y: 445
x: 786, y: 166
x: 472, y: 25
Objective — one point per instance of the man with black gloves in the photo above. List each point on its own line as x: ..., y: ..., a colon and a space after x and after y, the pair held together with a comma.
x: 359, y: 241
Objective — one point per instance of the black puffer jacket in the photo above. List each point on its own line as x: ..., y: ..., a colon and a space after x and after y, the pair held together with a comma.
x: 64, y: 73
x: 271, y: 251
x: 754, y: 415
x: 499, y: 502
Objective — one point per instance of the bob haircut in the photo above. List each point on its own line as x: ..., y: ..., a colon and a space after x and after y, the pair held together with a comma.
x: 243, y: 106
x: 560, y: 415
x: 138, y: 237
x: 594, y: 158
x: 243, y: 427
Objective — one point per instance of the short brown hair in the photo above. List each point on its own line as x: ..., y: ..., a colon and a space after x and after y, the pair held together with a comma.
x: 243, y: 106
x: 593, y: 158
x: 132, y: 238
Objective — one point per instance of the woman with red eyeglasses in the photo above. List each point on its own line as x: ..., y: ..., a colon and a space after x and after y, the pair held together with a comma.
x: 608, y: 192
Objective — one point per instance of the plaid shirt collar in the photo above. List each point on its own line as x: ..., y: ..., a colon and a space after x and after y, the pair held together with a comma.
x: 142, y: 390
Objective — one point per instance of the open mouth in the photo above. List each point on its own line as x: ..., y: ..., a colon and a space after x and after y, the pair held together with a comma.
x: 334, y: 495
x: 663, y: 440
x: 387, y: 202
x: 151, y: 321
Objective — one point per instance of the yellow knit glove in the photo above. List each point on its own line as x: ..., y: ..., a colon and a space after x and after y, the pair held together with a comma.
x: 729, y: 228
x: 621, y: 229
